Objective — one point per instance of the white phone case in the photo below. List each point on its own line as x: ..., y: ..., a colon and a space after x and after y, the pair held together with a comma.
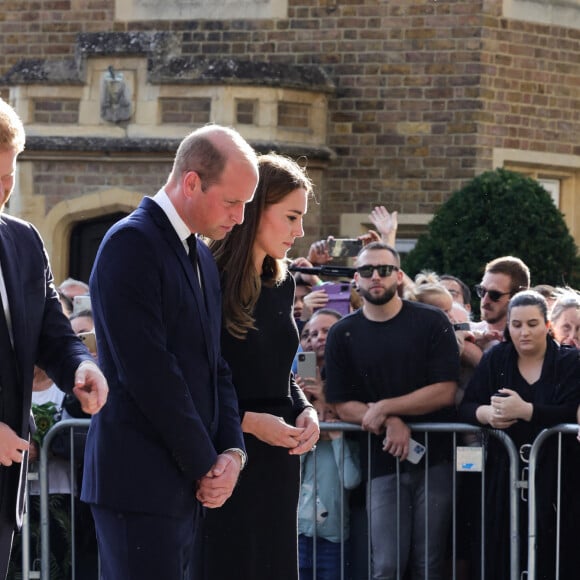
x: 416, y: 451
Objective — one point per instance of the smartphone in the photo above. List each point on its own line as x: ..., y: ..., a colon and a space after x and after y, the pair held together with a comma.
x: 416, y: 451
x: 338, y: 296
x: 89, y: 340
x: 344, y: 247
x: 462, y: 326
x: 306, y: 366
x: 81, y: 303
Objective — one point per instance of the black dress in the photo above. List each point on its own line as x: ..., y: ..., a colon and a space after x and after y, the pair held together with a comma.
x: 254, y: 535
x: 555, y: 397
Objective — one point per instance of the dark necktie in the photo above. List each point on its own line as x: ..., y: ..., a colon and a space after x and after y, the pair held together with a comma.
x: 192, y: 245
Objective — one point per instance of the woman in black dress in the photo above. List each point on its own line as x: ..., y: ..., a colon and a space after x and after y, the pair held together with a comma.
x: 254, y: 535
x: 522, y: 386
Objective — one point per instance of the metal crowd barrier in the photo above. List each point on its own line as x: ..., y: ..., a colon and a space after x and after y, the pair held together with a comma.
x: 559, y: 430
x: 68, y: 424
x: 455, y: 429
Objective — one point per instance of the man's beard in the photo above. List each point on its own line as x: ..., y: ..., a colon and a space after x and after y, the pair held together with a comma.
x: 493, y: 317
x: 379, y: 299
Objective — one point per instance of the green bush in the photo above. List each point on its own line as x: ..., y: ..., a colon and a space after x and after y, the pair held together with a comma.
x: 499, y: 213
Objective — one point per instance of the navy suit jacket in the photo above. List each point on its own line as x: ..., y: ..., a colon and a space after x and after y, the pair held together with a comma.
x: 172, y: 407
x: 42, y: 334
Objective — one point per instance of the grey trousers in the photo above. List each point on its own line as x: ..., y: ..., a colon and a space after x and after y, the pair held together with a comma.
x: 418, y: 526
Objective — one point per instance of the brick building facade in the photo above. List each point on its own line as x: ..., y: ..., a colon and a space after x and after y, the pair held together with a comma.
x: 395, y: 102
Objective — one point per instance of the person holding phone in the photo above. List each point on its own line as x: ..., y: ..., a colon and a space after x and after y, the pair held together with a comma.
x: 390, y: 363
x: 313, y: 383
x: 255, y: 534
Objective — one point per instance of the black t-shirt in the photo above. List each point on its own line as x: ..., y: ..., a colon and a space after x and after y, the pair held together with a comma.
x: 368, y: 361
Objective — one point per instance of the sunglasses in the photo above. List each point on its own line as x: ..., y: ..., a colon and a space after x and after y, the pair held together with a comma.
x: 494, y: 295
x: 384, y: 270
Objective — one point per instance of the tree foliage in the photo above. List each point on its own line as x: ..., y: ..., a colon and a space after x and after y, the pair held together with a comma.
x: 499, y: 213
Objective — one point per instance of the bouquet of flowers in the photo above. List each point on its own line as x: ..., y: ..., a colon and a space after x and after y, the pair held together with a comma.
x: 45, y: 416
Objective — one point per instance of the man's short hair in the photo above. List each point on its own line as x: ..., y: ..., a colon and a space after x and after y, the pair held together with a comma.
x: 380, y: 246
x: 206, y: 151
x: 513, y: 267
x: 465, y: 291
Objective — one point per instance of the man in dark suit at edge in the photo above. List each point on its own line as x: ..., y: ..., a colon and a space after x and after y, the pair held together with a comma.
x: 169, y: 441
x: 33, y: 330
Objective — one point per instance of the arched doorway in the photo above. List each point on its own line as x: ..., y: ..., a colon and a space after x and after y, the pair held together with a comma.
x: 85, y: 239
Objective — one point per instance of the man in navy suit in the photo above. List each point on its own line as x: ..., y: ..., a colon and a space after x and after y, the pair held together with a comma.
x: 33, y: 330
x: 169, y: 441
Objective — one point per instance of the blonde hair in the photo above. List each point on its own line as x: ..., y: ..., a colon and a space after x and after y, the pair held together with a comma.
x: 565, y: 298
x: 427, y: 287
x: 11, y: 129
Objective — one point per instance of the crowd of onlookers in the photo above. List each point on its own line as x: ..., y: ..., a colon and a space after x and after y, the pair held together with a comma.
x: 390, y: 363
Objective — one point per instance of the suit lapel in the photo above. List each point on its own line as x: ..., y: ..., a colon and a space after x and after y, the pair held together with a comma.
x: 14, y: 286
x: 13, y: 282
x: 172, y: 239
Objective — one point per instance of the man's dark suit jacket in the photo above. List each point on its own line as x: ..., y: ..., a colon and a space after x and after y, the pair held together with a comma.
x: 41, y: 332
x: 172, y: 407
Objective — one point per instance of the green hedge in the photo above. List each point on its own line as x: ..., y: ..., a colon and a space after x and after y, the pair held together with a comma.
x: 498, y: 213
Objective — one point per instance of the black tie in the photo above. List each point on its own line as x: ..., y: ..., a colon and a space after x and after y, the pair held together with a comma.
x: 192, y: 245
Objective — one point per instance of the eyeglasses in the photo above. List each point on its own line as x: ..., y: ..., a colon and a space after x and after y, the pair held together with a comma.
x: 494, y: 295
x: 383, y: 270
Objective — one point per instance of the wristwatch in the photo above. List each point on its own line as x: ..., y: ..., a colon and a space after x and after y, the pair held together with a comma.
x: 241, y: 453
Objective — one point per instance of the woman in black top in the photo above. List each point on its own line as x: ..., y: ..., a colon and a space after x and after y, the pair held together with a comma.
x: 254, y: 535
x: 523, y: 385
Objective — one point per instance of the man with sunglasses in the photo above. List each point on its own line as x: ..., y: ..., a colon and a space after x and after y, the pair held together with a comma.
x: 503, y: 277
x: 390, y: 363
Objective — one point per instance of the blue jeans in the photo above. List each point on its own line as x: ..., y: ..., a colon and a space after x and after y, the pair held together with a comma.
x: 327, y: 558
x: 422, y: 529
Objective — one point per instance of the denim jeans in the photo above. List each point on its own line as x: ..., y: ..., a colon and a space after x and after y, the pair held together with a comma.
x: 422, y: 507
x: 327, y: 558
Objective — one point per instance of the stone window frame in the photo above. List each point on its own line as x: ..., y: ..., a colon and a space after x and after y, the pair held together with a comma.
x: 550, y: 12
x: 541, y: 165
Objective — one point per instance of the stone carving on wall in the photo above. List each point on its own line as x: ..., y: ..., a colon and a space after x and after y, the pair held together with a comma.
x: 115, y: 97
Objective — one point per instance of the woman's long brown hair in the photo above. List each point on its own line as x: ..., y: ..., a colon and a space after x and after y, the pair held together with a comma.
x: 241, y: 284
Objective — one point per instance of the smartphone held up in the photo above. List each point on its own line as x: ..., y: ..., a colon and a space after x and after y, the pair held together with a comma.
x: 306, y: 365
x: 344, y: 247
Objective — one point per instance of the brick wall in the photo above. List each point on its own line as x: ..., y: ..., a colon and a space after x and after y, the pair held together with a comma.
x: 531, y: 88
x: 60, y: 181
x: 425, y: 89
